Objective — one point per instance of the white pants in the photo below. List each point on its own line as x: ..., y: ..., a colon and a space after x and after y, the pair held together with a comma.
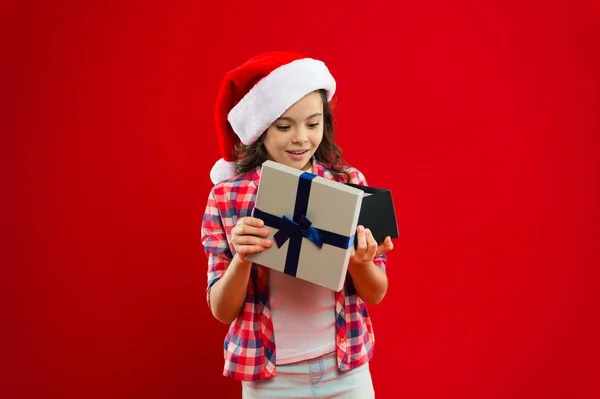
x: 314, y: 378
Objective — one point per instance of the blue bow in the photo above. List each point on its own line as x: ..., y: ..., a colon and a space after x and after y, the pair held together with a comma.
x: 304, y: 226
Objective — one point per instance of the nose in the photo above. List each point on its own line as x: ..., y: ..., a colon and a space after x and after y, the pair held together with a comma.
x: 300, y: 135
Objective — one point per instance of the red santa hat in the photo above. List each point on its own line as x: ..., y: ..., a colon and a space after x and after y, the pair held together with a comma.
x: 254, y: 95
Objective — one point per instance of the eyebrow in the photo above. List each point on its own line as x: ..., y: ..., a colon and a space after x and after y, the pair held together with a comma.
x: 287, y: 118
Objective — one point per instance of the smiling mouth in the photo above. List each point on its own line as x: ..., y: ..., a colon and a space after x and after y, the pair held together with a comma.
x: 299, y: 152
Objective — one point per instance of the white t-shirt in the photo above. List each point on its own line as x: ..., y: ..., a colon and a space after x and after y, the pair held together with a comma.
x: 303, y: 318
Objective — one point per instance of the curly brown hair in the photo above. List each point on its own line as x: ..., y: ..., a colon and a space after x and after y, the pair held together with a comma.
x: 253, y: 155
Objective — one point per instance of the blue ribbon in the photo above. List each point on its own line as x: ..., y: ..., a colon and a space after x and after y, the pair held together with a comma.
x: 304, y: 226
x: 300, y: 226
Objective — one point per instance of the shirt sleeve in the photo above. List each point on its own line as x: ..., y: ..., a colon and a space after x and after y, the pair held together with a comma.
x: 216, y: 245
x: 356, y: 177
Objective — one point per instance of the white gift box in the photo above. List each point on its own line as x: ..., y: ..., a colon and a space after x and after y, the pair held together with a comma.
x: 312, y: 222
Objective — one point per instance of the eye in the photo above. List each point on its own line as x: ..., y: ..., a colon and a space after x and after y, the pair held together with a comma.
x: 283, y: 128
x: 313, y: 125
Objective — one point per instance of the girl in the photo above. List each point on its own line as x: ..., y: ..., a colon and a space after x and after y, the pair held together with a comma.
x: 288, y: 338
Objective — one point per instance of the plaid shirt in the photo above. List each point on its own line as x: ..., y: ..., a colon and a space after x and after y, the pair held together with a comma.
x: 250, y: 342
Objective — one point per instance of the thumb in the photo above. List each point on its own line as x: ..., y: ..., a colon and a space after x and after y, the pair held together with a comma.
x: 384, y: 247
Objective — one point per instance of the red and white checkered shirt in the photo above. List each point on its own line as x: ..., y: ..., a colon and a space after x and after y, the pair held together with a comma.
x: 249, y: 347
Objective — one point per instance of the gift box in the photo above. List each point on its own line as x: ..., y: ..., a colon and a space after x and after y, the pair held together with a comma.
x: 377, y: 212
x: 312, y: 222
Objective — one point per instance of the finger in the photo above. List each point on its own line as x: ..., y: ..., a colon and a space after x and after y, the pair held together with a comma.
x: 371, y: 246
x: 251, y: 221
x: 251, y: 240
x: 249, y: 249
x: 245, y: 229
x: 385, y: 247
x: 361, y: 242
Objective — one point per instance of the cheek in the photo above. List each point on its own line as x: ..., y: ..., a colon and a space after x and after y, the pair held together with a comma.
x: 268, y: 141
x: 317, y: 137
x: 273, y: 144
x: 273, y: 137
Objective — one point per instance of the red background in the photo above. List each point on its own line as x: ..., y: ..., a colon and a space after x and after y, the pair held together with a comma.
x: 482, y: 117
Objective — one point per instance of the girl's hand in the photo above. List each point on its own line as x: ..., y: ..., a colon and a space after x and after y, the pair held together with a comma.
x: 248, y: 236
x: 367, y: 248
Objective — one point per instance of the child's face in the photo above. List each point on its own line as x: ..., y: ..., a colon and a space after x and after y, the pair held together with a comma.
x: 295, y: 136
